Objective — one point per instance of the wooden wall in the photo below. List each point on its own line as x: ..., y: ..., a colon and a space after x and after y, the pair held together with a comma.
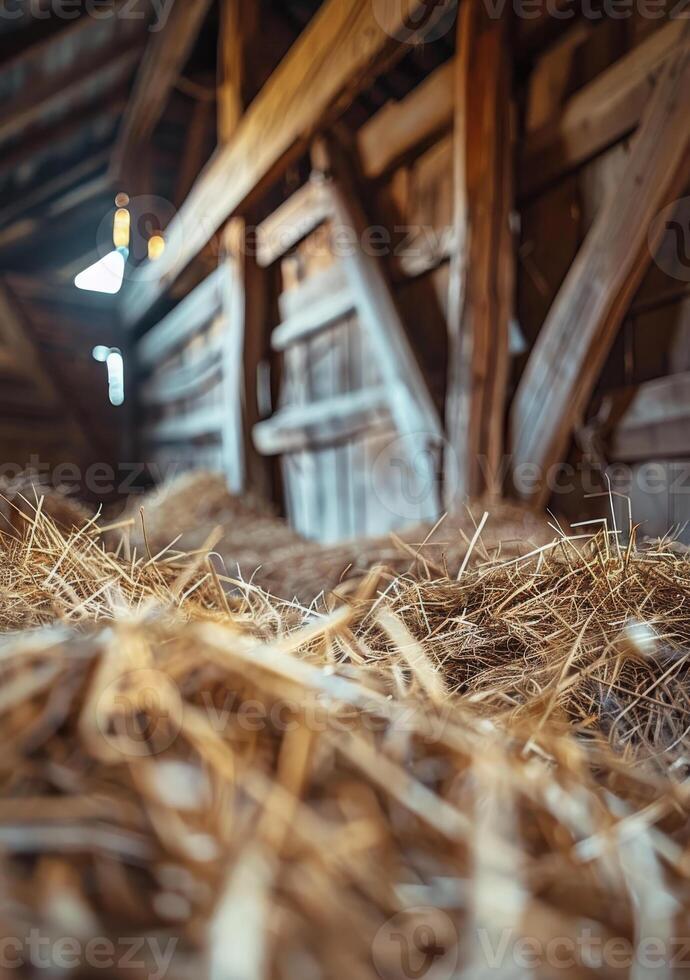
x: 577, y: 72
x: 323, y: 402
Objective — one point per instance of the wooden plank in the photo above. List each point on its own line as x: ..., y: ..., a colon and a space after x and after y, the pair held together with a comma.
x: 247, y: 305
x: 44, y: 92
x: 313, y: 319
x: 481, y: 280
x: 341, y: 49
x: 411, y: 404
x: 602, y: 112
x: 401, y: 127
x: 192, y: 313
x: 233, y: 343
x: 185, y: 381
x: 17, y: 336
x: 180, y: 428
x: 304, y: 211
x: 568, y: 356
x: 296, y: 300
x: 164, y: 59
x: 324, y: 422
x: 656, y: 422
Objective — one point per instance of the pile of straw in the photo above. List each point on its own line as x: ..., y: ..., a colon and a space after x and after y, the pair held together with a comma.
x: 468, y: 776
x: 258, y: 547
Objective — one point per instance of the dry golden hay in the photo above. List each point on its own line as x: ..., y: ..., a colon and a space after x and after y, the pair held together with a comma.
x: 260, y: 548
x: 423, y: 779
x: 20, y: 496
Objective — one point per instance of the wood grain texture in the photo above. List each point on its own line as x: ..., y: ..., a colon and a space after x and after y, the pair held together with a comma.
x: 340, y: 50
x: 568, y: 356
x: 322, y: 422
x: 313, y: 319
x: 605, y: 110
x: 401, y: 127
x: 237, y: 25
x: 303, y: 211
x: 482, y: 270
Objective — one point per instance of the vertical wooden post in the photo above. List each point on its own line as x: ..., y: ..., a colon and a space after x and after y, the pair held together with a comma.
x: 247, y: 335
x: 246, y: 346
x: 482, y: 273
x: 237, y: 23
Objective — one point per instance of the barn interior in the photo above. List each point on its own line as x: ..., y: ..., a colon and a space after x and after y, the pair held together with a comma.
x: 447, y: 356
x: 344, y: 361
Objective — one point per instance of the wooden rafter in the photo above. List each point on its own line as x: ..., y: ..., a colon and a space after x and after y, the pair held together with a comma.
x: 570, y: 351
x: 341, y: 49
x: 404, y: 125
x: 46, y: 139
x: 46, y: 91
x: 598, y: 115
x: 481, y: 278
x: 163, y: 61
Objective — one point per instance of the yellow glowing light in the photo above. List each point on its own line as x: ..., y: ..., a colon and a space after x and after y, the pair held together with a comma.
x: 156, y: 247
x: 121, y: 226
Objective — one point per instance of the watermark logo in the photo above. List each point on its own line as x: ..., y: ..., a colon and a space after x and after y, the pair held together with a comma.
x: 413, y: 23
x: 139, y: 714
x: 419, y: 944
x: 405, y: 476
x: 671, y: 230
x: 155, y: 13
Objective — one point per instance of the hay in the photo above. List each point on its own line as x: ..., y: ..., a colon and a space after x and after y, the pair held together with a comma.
x: 260, y: 548
x: 411, y: 781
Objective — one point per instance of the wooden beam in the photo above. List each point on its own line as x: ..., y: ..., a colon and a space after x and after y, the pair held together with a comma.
x: 401, y: 127
x: 164, y: 59
x: 238, y: 24
x: 341, y: 49
x: 482, y: 269
x: 248, y: 308
x: 598, y: 115
x: 656, y: 422
x: 48, y: 90
x: 323, y: 423
x: 570, y: 351
x: 17, y: 336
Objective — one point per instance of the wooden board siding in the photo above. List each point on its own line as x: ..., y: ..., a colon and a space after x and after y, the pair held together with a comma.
x: 180, y: 375
x: 654, y: 337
